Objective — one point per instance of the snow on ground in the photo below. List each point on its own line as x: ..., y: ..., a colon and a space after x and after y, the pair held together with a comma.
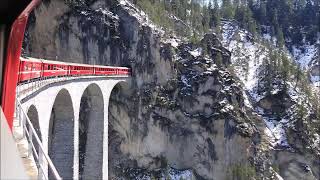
x: 315, y: 79
x: 173, y: 41
x: 267, y: 37
x: 317, y: 85
x: 317, y: 140
x: 276, y: 131
x: 185, y: 81
x: 246, y: 100
x: 304, y: 54
x: 226, y: 106
x: 178, y: 175
x: 278, y: 176
x: 247, y: 56
x: 139, y: 15
x: 196, y: 52
x: 172, y: 174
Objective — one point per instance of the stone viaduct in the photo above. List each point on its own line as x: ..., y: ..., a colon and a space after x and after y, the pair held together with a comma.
x: 71, y: 119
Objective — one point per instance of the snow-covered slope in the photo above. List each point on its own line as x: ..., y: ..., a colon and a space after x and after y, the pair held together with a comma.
x: 307, y: 56
x: 248, y: 56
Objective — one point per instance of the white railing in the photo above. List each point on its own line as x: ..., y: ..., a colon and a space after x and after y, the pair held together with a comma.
x: 30, y: 133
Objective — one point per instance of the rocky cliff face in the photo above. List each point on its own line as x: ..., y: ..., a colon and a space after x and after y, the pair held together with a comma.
x: 185, y: 111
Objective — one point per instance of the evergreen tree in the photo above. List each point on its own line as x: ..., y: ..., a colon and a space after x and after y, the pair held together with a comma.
x: 285, y: 67
x: 280, y: 37
x: 218, y: 59
x: 206, y: 19
x: 262, y: 13
x: 227, y: 9
x: 215, y: 17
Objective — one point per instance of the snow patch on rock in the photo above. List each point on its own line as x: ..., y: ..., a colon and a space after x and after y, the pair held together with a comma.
x: 196, y: 52
x: 140, y: 15
x: 304, y: 55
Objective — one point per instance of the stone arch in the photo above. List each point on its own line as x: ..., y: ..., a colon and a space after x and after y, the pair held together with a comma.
x: 91, y: 130
x: 33, y: 115
x: 119, y: 125
x: 61, y: 134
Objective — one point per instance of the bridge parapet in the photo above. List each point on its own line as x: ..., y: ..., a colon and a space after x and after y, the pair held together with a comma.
x: 35, y: 149
x: 25, y: 89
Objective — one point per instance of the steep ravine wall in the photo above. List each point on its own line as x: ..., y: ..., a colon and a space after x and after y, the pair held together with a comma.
x: 184, y: 111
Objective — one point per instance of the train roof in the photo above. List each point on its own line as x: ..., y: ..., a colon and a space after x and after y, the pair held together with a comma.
x: 99, y: 66
x: 30, y: 59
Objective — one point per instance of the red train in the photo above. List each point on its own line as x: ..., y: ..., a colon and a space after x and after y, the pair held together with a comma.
x: 31, y: 68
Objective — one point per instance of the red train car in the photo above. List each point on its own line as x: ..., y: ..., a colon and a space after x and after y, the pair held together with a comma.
x: 105, y: 70
x: 54, y: 68
x: 29, y: 69
x: 81, y: 69
x: 123, y: 71
x: 111, y: 71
